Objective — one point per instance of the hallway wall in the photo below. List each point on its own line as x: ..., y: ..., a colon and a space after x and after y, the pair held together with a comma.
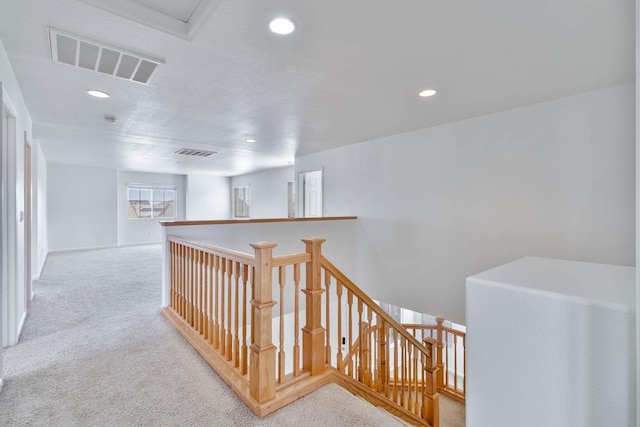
x: 434, y: 206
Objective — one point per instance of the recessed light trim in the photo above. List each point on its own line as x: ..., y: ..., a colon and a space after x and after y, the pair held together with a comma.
x: 282, y: 26
x: 250, y: 140
x: 427, y: 93
x: 98, y: 93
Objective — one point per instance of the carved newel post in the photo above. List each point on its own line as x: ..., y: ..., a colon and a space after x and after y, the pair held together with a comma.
x: 262, y: 369
x: 430, y: 396
x: 313, y: 332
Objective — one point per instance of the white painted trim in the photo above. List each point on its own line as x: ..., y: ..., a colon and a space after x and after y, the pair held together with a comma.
x: 88, y: 248
x: 33, y: 295
x: 1, y: 384
x: 20, y: 326
x: 35, y: 277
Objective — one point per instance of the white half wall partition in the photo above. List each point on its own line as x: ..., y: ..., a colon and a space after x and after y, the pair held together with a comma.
x: 551, y: 343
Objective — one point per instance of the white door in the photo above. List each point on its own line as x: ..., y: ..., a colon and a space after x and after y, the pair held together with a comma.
x: 312, y: 194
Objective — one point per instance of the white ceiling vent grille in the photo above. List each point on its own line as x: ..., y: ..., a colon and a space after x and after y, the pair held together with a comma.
x: 92, y: 55
x: 198, y: 153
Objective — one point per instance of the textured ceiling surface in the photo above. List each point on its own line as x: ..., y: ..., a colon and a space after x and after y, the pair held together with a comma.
x: 350, y: 72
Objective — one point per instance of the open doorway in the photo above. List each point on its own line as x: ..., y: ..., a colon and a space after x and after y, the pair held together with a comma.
x: 310, y: 189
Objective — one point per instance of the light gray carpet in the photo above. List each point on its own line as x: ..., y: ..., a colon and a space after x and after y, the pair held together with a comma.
x: 95, y: 351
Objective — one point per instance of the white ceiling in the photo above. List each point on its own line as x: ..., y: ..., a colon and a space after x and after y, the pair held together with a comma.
x: 350, y: 72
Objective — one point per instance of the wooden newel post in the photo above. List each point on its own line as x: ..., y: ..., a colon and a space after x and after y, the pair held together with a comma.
x: 440, y: 354
x: 313, y: 332
x: 430, y: 396
x: 262, y: 369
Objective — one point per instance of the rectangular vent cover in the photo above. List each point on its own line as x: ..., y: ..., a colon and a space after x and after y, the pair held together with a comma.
x: 92, y: 55
x: 192, y: 152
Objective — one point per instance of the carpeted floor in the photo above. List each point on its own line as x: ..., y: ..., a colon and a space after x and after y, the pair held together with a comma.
x: 95, y: 351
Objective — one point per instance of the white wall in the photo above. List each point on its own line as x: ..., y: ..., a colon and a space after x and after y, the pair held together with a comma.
x: 13, y: 306
x: 40, y: 215
x: 269, y: 191
x: 208, y: 197
x: 437, y: 205
x: 82, y: 207
x: 137, y: 231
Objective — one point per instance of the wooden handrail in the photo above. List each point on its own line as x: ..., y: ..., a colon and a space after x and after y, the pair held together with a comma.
x: 367, y: 299
x: 215, y: 250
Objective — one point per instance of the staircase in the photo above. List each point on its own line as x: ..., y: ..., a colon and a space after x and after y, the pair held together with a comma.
x: 278, y: 327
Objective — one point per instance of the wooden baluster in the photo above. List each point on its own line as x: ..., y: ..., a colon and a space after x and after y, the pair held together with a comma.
x: 263, y: 353
x: 236, y: 330
x: 440, y: 344
x: 190, y: 286
x: 387, y: 372
x: 455, y: 362
x: 198, y: 299
x: 409, y: 370
x: 180, y: 281
x: 396, y: 346
x: 383, y: 357
x: 340, y: 343
x: 361, y: 344
x: 430, y: 397
x: 229, y: 345
x: 172, y: 275
x: 216, y: 302
x: 281, y: 282
x: 403, y: 368
x: 212, y: 297
x: 313, y: 332
x: 205, y: 296
x: 296, y: 320
x: 245, y: 278
x: 183, y: 281
x: 327, y: 320
x: 445, y: 362
x: 369, y: 360
x: 223, y: 328
x: 350, y: 335
x: 416, y: 393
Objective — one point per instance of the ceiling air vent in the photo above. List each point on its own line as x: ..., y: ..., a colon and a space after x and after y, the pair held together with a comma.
x: 192, y: 152
x: 96, y: 56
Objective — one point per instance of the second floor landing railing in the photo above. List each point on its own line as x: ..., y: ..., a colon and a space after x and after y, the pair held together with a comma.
x: 277, y: 327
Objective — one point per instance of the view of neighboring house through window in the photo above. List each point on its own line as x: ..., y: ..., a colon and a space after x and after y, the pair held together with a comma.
x: 151, y: 202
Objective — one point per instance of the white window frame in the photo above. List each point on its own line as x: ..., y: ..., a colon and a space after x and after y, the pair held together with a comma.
x: 153, y: 188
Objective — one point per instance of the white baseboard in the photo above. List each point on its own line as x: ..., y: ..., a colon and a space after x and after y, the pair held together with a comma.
x: 1, y: 383
x: 88, y: 248
x: 33, y: 294
x: 124, y: 245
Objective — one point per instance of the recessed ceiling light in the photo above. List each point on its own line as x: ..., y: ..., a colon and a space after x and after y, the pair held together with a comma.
x: 98, y: 93
x: 282, y: 26
x: 250, y: 140
x: 427, y: 92
x: 110, y: 119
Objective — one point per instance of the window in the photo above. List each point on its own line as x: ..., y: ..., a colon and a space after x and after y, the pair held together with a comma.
x: 151, y: 202
x: 241, y: 202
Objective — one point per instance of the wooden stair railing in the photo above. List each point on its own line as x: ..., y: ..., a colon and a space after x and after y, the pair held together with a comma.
x: 451, y: 348
x: 222, y: 302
